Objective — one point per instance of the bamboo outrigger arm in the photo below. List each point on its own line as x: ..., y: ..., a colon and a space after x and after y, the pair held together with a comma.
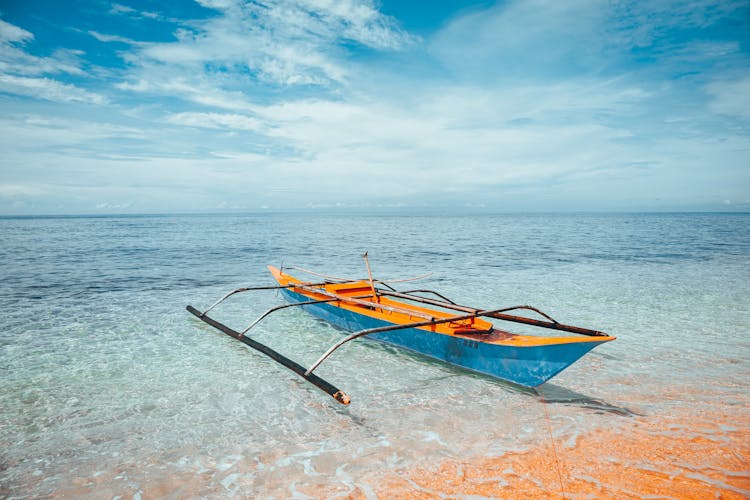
x: 258, y: 288
x: 551, y: 324
x: 449, y: 304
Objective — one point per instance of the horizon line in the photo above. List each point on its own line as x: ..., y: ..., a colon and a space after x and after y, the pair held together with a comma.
x: 367, y: 211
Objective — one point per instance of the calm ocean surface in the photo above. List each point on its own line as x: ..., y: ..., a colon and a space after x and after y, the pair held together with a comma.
x: 109, y: 387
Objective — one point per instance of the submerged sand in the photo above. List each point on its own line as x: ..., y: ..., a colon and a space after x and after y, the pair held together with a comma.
x: 669, y: 457
x: 682, y: 455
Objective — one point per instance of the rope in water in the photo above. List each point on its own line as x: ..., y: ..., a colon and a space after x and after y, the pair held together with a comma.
x: 552, y: 441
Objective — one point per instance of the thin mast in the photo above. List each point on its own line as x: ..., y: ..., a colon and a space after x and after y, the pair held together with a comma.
x: 369, y: 275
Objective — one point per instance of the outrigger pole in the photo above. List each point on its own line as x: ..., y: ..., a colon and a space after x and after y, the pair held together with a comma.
x: 318, y: 382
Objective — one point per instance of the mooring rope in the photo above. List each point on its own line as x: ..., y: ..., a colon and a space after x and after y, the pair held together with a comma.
x: 552, y: 441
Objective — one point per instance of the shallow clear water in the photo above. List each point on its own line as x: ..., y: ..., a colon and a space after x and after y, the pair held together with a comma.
x: 109, y: 386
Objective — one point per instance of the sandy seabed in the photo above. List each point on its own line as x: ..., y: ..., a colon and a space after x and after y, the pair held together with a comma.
x: 685, y: 456
x: 638, y: 460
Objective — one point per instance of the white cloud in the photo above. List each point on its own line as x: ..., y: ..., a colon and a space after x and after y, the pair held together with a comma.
x: 459, y: 139
x: 121, y: 9
x: 18, y: 62
x: 46, y: 88
x: 194, y: 90
x: 11, y: 33
x: 266, y: 104
x: 14, y: 60
x: 287, y: 43
x: 16, y: 191
x: 33, y: 142
x: 534, y: 37
x: 543, y: 39
x: 731, y: 97
x: 356, y: 20
x: 216, y: 120
x: 217, y: 4
x: 102, y: 37
x: 113, y: 206
x: 643, y: 24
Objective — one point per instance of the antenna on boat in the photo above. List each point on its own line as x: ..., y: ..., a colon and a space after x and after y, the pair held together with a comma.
x: 369, y: 275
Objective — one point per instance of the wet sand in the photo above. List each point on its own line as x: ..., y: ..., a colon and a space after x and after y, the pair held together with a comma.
x: 670, y: 457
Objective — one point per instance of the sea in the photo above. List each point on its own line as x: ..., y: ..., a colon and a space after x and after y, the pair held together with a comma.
x: 109, y: 388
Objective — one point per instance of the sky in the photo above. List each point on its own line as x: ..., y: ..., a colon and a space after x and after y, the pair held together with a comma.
x: 233, y: 105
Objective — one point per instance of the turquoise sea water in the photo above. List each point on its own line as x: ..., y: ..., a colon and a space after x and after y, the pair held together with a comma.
x: 109, y: 387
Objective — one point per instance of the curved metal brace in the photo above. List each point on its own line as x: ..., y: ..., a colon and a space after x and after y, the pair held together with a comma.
x: 282, y: 306
x: 362, y: 333
x: 389, y: 328
x: 225, y: 297
x: 531, y: 308
x: 476, y: 314
x: 257, y: 288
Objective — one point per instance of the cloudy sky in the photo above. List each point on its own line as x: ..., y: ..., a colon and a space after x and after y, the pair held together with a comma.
x: 533, y: 105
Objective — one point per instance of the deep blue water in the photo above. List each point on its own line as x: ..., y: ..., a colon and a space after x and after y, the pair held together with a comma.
x: 103, y: 371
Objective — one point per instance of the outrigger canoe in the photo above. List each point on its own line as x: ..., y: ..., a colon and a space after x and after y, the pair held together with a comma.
x: 423, y: 321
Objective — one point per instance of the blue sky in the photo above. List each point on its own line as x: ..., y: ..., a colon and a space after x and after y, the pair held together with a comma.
x: 534, y: 105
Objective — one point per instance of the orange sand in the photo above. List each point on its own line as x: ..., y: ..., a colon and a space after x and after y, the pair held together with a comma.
x: 640, y: 459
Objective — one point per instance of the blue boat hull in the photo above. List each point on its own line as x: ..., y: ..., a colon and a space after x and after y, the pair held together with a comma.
x: 529, y: 366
